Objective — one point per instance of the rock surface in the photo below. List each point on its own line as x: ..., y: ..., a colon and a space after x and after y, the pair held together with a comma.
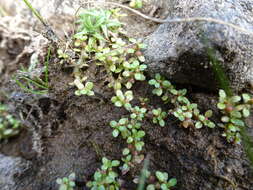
x: 179, y: 50
x: 11, y: 169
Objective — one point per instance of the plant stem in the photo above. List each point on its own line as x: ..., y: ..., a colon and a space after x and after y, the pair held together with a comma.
x: 35, y: 12
x: 46, y: 64
x: 49, y: 34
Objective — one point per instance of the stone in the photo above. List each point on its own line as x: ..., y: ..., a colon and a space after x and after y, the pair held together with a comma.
x: 12, y: 171
x: 179, y: 50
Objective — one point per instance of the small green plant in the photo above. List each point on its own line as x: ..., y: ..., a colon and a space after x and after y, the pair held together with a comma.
x: 123, y: 99
x: 105, y: 178
x: 83, y: 89
x: 234, y: 109
x: 67, y: 183
x: 9, y: 126
x: 95, y: 25
x: 163, y: 182
x: 131, y: 131
x: 100, y: 40
x: 137, y: 4
x: 62, y: 54
x: 187, y: 112
x: 32, y: 79
x: 138, y: 113
x: 159, y: 116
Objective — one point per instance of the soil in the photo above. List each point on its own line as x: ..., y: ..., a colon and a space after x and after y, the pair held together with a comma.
x: 76, y: 132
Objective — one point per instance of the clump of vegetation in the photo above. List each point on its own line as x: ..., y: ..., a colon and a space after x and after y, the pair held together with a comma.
x: 83, y: 89
x: 162, y: 182
x: 123, y: 99
x: 9, y: 126
x: 100, y: 40
x: 159, y: 116
x: 130, y: 130
x: 67, y: 183
x: 234, y: 109
x: 187, y: 112
x: 105, y: 178
x: 34, y: 79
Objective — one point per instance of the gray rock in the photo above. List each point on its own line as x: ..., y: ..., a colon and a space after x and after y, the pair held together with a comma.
x: 179, y: 52
x: 12, y: 171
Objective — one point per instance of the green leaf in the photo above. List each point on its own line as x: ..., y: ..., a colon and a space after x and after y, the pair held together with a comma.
x: 72, y: 184
x: 139, y: 146
x: 63, y: 187
x: 238, y: 122
x: 115, y: 163
x: 139, y: 76
x: 7, y: 132
x: 130, y: 50
x: 209, y: 113
x: 235, y: 99
x: 246, y: 97
x: 126, y: 65
x: 158, y: 76
x: 115, y: 133
x: 127, y: 106
x: 188, y: 115
x: 151, y: 187
x: 130, y: 140
x: 143, y: 67
x: 133, y: 116
x: 120, y: 95
x: 162, y: 123
x: 126, y: 151
x: 198, y: 125
x: 166, y: 84
x: 174, y: 91
x: 128, y: 85
x: 152, y: 82
x: 113, y: 123
x: 236, y: 114
x: 164, y: 187
x: 222, y: 94
x: 126, y: 73
x: 129, y: 95
x: 140, y: 134
x: 105, y: 160
x: 112, y: 68
x: 158, y: 91
x: 172, y: 182
x: 77, y: 93
x: 225, y: 119
x: 245, y: 112
x: 90, y: 93
x: 135, y: 64
x: 59, y: 181
x: 160, y: 176
x: 211, y: 124
x: 72, y: 176
x: 232, y: 128
x: 123, y: 121
x: 221, y: 106
x: 202, y: 118
x: 118, y: 104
